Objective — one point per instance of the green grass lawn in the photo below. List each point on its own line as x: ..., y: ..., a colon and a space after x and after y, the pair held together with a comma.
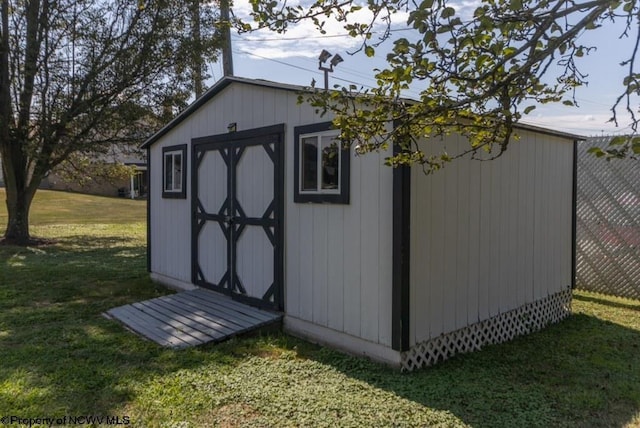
x: 55, y: 207
x: 59, y: 356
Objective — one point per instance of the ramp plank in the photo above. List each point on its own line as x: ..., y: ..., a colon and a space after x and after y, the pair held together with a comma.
x: 191, y: 318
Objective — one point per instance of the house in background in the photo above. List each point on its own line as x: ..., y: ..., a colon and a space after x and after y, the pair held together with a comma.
x: 404, y: 268
x: 132, y: 186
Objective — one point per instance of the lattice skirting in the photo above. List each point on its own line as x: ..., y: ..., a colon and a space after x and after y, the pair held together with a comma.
x: 501, y: 328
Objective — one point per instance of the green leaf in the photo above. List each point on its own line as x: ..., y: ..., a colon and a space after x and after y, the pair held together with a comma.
x: 618, y: 141
x: 591, y: 25
x: 562, y: 48
x: 615, y: 4
x: 429, y: 36
x: 479, y: 12
x: 529, y: 109
x: 509, y: 50
x: 597, y: 151
x: 448, y: 12
x: 568, y: 103
x: 369, y: 51
x: 480, y: 61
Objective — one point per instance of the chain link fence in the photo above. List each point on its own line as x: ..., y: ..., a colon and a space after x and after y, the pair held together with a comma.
x: 607, y: 223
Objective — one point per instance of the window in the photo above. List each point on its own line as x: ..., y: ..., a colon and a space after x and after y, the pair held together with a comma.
x: 321, y: 167
x: 174, y: 172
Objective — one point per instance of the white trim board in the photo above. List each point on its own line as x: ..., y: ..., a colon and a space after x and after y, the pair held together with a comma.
x: 341, y: 341
x: 173, y: 283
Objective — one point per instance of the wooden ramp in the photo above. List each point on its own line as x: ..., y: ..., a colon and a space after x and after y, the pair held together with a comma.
x: 191, y: 318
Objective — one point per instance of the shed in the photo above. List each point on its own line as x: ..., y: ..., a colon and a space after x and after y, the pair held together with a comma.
x: 249, y: 197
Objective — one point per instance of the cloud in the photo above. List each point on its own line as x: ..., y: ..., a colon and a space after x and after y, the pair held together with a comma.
x: 304, y: 39
x: 582, y: 124
x: 465, y: 8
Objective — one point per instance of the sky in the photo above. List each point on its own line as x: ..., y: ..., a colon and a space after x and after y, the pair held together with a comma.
x: 292, y: 58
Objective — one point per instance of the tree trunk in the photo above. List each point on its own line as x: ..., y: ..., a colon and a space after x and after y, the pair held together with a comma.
x: 18, y: 205
x: 21, y: 179
x: 20, y: 188
x: 227, y: 58
x: 197, y: 62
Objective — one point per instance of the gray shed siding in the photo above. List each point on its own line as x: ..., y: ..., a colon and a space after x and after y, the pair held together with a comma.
x: 337, y: 257
x: 489, y: 237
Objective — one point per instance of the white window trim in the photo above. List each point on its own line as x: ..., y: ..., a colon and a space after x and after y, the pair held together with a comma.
x: 173, y: 155
x: 319, y: 190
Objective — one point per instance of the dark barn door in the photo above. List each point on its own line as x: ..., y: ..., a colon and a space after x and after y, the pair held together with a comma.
x: 237, y: 205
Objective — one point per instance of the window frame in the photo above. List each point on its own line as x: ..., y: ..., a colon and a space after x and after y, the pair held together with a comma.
x: 180, y: 149
x: 331, y: 196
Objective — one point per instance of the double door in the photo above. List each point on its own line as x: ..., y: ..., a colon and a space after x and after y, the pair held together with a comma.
x: 237, y: 205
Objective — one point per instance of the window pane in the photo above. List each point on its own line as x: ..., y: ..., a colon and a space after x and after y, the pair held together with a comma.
x: 168, y: 172
x: 309, y: 164
x: 177, y: 172
x: 330, y: 163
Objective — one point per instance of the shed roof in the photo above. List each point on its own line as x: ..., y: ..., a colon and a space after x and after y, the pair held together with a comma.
x: 228, y: 80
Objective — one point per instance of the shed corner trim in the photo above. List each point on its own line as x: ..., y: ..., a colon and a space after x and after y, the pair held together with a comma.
x: 401, y: 242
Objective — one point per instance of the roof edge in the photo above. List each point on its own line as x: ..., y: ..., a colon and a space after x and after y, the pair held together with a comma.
x: 548, y: 131
x: 227, y: 80
x: 209, y: 94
